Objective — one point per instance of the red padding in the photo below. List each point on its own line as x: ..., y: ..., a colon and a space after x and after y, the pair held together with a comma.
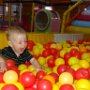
x: 84, y: 17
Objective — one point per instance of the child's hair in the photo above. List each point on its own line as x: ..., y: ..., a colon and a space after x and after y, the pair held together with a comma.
x: 15, y: 30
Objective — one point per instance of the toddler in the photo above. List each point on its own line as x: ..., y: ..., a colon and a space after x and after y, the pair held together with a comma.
x: 16, y: 50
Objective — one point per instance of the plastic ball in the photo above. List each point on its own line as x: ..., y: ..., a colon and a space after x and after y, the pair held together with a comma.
x: 83, y: 83
x: 66, y: 78
x: 1, y: 85
x: 28, y: 88
x: 9, y: 87
x: 27, y: 79
x: 22, y: 67
x: 66, y: 87
x: 25, y: 70
x: 10, y: 63
x: 50, y: 78
x: 10, y: 76
x: 19, y: 85
x: 41, y: 60
x: 1, y: 78
x: 55, y: 87
x: 44, y: 85
x: 40, y: 75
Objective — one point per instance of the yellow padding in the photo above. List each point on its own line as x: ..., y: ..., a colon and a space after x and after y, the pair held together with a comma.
x: 3, y: 40
x: 36, y: 37
x: 41, y: 37
x: 74, y: 29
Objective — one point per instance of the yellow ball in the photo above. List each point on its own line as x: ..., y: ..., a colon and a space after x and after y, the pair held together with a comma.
x: 62, y: 53
x: 19, y: 86
x: 55, y: 69
x: 1, y: 85
x: 81, y: 89
x: 73, y: 60
x: 84, y: 64
x: 66, y: 78
x: 85, y: 56
x: 10, y: 76
x: 48, y: 70
x: 55, y: 87
x: 36, y: 51
x: 25, y: 70
x: 54, y: 45
x: 31, y: 68
x: 83, y: 83
x: 41, y: 60
x: 22, y: 67
x: 59, y: 61
x: 75, y: 67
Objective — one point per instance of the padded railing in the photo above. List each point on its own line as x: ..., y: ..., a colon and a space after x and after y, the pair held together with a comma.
x: 67, y: 12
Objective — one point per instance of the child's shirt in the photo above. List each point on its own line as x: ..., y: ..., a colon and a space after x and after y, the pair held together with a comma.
x: 8, y: 53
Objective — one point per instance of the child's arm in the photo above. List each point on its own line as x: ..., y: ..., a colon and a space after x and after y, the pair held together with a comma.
x: 2, y: 66
x: 36, y: 64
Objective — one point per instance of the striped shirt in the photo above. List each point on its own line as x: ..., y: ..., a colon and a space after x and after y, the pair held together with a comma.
x: 8, y: 53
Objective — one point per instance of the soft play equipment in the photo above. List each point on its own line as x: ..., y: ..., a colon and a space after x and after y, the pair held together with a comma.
x: 83, y: 20
x: 47, y: 21
x: 80, y: 21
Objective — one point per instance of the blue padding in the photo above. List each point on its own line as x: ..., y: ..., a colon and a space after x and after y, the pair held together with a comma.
x: 88, y: 8
x: 81, y: 23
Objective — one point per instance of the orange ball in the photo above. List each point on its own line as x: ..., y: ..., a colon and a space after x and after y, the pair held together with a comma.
x: 82, y: 48
x: 50, y: 78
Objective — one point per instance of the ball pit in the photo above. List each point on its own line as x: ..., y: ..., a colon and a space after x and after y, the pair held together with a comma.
x: 64, y: 64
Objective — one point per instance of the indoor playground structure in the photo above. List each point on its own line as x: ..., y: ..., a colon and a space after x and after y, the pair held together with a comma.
x: 47, y: 21
x: 58, y: 39
x: 10, y: 15
x: 79, y: 22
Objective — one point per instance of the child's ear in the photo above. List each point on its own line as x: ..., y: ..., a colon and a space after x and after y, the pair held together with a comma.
x: 10, y: 43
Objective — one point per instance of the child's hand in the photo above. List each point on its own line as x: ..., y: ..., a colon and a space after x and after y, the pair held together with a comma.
x: 2, y: 67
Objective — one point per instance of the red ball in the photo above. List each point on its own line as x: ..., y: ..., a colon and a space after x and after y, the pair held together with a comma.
x: 47, y: 45
x: 89, y: 71
x: 66, y: 87
x: 66, y: 57
x: 10, y: 63
x: 40, y: 75
x: 77, y: 54
x: 34, y: 86
x: 61, y: 68
x: 46, y: 53
x: 53, y: 51
x: 51, y: 62
x: 57, y: 54
x: 72, y: 71
x: 27, y: 79
x: 15, y: 68
x: 30, y: 45
x: 82, y: 73
x: 69, y: 42
x: 9, y: 87
x: 55, y: 75
x: 29, y: 88
x: 1, y: 78
x: 73, y: 51
x: 44, y: 85
x: 80, y: 41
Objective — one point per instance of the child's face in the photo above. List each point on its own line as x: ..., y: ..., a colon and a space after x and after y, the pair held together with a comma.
x: 18, y: 43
